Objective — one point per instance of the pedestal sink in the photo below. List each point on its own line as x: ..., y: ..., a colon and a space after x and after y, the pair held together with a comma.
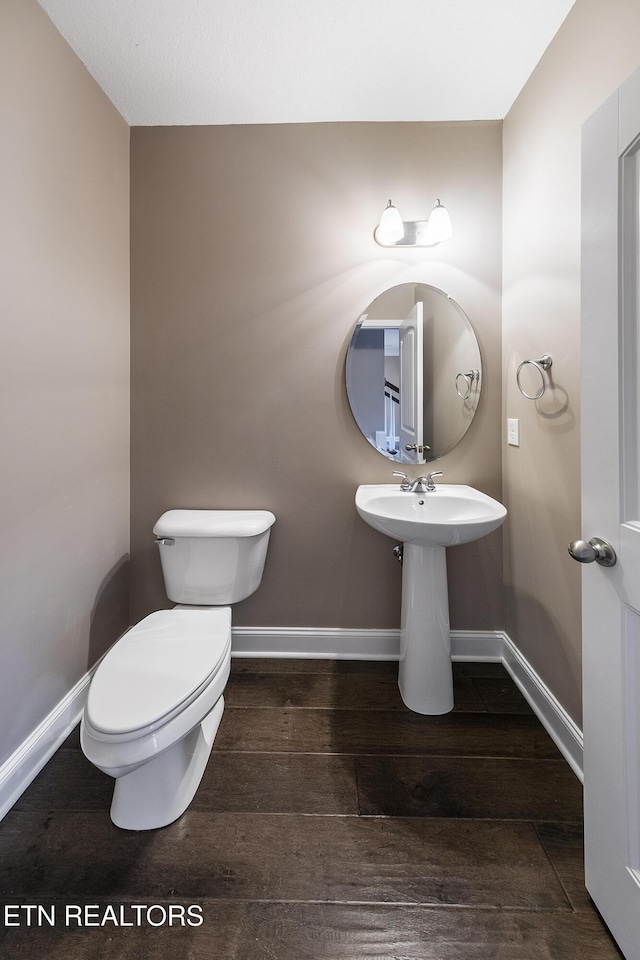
x: 426, y: 523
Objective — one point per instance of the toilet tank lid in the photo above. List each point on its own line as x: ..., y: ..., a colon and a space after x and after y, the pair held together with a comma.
x: 213, y: 523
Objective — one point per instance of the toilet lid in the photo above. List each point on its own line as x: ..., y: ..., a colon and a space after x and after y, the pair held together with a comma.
x: 160, y: 664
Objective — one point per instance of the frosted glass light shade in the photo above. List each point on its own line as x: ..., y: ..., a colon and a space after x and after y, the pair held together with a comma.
x: 439, y: 225
x: 391, y: 228
x: 392, y: 231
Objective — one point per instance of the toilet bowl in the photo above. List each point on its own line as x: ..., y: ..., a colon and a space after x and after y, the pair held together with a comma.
x: 156, y: 699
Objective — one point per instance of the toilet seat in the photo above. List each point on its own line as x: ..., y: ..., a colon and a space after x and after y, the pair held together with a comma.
x: 156, y: 670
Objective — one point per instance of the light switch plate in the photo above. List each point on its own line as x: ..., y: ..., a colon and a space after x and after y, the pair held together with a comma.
x: 513, y: 433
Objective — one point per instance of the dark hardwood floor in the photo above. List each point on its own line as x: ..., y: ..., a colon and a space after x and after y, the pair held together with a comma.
x: 331, y: 823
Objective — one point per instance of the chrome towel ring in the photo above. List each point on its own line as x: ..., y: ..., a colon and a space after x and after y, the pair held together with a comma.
x: 468, y: 383
x: 544, y: 363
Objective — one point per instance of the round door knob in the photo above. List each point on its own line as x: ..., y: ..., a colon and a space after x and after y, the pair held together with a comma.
x: 596, y: 549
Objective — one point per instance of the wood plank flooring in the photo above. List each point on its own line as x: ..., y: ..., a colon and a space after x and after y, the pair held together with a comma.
x: 331, y: 823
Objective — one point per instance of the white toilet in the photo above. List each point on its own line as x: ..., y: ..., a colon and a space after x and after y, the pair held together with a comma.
x: 155, y: 701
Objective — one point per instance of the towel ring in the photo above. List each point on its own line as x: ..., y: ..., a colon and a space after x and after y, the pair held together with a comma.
x: 544, y: 363
x: 468, y: 381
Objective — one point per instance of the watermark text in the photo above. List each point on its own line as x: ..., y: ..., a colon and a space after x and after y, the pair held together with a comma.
x: 96, y: 915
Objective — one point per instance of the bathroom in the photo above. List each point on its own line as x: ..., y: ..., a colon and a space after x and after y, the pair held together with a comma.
x: 182, y: 299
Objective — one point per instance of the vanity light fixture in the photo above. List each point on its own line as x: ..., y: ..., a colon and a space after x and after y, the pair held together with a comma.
x: 392, y: 231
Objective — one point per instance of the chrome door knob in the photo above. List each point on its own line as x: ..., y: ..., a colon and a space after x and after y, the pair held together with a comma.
x: 596, y: 549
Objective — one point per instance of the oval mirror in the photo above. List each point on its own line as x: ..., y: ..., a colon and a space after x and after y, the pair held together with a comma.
x: 413, y: 373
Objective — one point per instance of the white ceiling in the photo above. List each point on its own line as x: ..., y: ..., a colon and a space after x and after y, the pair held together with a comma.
x: 292, y: 61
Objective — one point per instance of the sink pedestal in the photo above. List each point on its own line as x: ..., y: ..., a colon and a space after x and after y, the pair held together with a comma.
x: 425, y: 676
x: 427, y: 523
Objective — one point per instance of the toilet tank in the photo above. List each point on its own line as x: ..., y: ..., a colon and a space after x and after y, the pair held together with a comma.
x: 212, y: 557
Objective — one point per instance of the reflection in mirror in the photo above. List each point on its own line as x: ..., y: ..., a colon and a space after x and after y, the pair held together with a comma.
x: 413, y: 373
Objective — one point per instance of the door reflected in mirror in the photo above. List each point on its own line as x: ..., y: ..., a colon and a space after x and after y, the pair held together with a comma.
x: 413, y: 373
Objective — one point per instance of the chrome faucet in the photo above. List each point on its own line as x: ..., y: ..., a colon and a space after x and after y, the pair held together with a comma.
x: 421, y: 485
x: 425, y: 484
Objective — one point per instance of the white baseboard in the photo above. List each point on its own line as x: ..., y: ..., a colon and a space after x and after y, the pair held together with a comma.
x: 27, y: 761
x: 566, y: 734
x: 317, y: 643
x: 343, y: 643
x: 483, y: 646
x: 309, y: 642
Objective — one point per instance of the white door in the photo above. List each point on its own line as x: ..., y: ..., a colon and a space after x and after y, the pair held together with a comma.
x: 411, y: 386
x: 611, y: 510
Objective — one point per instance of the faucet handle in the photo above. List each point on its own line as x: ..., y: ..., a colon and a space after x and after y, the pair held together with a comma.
x: 436, y: 473
x: 406, y: 483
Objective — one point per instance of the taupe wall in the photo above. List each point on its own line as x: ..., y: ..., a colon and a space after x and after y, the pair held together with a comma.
x: 252, y: 258
x: 597, y: 47
x: 64, y: 304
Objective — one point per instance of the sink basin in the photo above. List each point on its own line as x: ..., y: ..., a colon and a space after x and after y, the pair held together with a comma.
x: 449, y: 515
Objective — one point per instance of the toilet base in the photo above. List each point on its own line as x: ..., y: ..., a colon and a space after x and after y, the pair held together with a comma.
x: 158, y: 792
